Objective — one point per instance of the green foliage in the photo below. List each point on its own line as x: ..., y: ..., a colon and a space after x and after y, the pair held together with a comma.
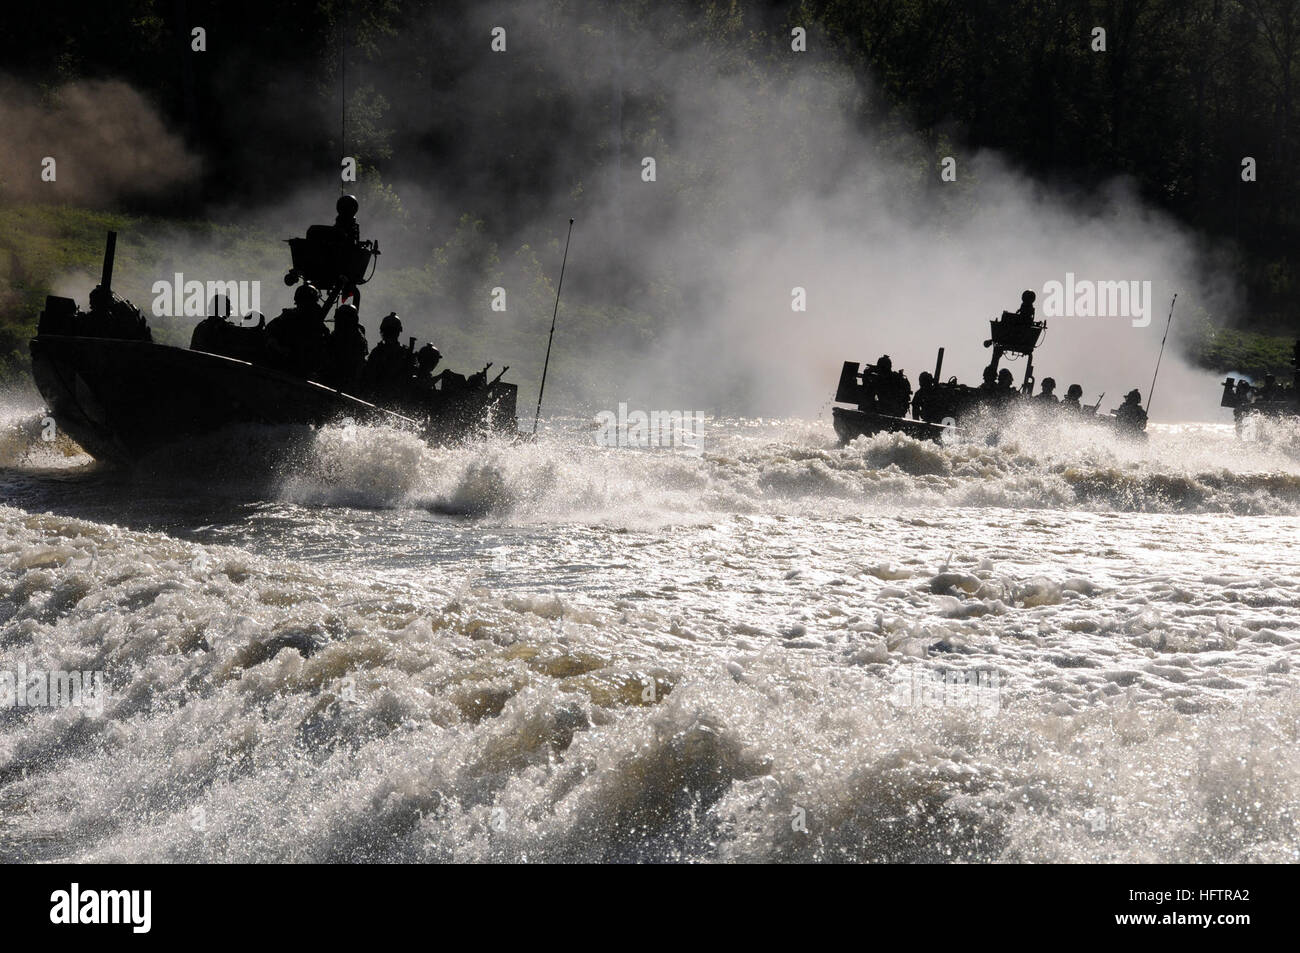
x: 1239, y: 352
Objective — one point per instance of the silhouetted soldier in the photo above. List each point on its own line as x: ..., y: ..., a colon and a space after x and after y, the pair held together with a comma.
x: 297, y: 340
x: 1242, y: 404
x: 891, y: 389
x: 924, y: 401
x: 426, y: 360
x: 1006, y: 387
x: 349, y: 232
x: 1130, y: 415
x: 1270, y: 390
x: 1047, y: 391
x: 389, y: 368
x: 421, y: 390
x: 347, y: 351
x: 988, y: 389
x: 426, y: 381
x: 207, y: 334
x: 1025, y: 313
x: 1071, y: 399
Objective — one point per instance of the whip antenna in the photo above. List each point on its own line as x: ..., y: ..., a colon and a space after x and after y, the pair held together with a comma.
x: 547, y: 363
x: 1152, y: 391
x: 343, y: 89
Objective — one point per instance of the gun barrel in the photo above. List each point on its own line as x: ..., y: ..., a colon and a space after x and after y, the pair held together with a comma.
x: 1229, y: 398
x: 110, y: 250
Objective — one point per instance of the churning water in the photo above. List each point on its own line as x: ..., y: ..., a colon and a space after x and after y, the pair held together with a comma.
x: 1055, y: 647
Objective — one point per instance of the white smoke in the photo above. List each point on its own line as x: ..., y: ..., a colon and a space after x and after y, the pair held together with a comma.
x: 770, y: 176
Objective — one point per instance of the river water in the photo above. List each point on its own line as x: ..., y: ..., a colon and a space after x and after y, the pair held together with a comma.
x: 1055, y: 647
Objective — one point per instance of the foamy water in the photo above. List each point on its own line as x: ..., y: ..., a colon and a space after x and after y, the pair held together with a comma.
x: 1053, y: 647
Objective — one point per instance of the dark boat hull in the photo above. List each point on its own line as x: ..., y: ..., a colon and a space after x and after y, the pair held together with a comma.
x: 851, y: 424
x: 123, y: 400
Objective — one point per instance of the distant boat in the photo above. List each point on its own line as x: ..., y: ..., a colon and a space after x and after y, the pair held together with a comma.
x: 951, y: 405
x: 1250, y: 403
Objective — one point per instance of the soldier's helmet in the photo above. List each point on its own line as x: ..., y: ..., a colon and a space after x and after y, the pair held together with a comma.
x: 347, y: 206
x: 219, y: 306
x: 346, y: 317
x: 884, y: 365
x: 1133, y: 397
x: 1049, y: 384
x: 1004, y: 377
x: 989, y: 375
x: 306, y: 296
x: 391, y: 325
x: 428, y: 357
x: 1074, y: 391
x: 926, y: 378
x: 1028, y: 297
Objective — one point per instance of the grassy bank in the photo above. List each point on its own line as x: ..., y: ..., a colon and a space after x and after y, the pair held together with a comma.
x: 1231, y: 351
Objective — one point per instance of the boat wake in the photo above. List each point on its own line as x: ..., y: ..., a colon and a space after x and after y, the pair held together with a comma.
x: 792, y: 468
x: 29, y: 438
